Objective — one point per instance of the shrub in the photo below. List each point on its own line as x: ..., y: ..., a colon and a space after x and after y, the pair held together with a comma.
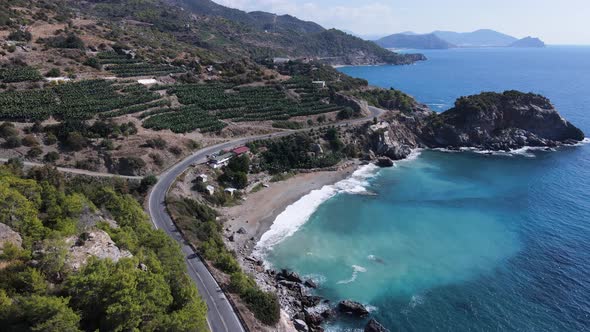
x: 12, y: 142
x: 148, y: 181
x: 8, y: 129
x: 76, y: 141
x: 34, y: 152
x: 130, y: 165
x: 265, y: 305
x: 156, y: 143
x: 30, y: 141
x: 69, y: 41
x: 158, y: 160
x: 50, y: 139
x: 20, y: 35
x: 51, y: 157
x: 93, y: 62
x: 176, y: 150
x: 53, y: 72
x: 287, y: 125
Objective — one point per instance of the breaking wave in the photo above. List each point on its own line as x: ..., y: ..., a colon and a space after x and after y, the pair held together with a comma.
x: 297, y: 214
x: 355, y: 271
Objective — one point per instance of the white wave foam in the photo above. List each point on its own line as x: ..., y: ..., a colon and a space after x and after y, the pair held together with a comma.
x: 297, y: 214
x: 371, y: 257
x: 416, y: 300
x: 319, y: 279
x: 371, y: 308
x: 411, y: 157
x: 355, y: 271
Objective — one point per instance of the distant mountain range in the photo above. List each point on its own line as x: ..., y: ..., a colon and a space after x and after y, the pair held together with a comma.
x: 261, y: 34
x: 450, y: 39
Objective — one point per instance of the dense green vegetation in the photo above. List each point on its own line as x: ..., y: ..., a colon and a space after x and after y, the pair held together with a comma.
x: 184, y: 119
x: 389, y: 99
x: 292, y: 152
x: 19, y: 74
x: 235, y: 174
x: 76, y: 100
x: 198, y: 223
x: 149, y: 291
x: 210, y: 103
x: 124, y: 65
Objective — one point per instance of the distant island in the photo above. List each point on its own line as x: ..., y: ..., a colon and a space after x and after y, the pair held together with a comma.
x: 414, y: 41
x: 528, y: 42
x: 450, y: 39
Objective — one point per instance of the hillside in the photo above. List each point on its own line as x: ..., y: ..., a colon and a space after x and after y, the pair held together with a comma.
x: 414, y: 41
x: 83, y: 256
x: 478, y: 38
x: 285, y: 35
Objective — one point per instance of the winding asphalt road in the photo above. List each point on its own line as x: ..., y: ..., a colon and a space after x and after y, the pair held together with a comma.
x: 221, y: 315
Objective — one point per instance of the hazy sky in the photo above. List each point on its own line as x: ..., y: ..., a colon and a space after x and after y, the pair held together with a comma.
x: 555, y: 21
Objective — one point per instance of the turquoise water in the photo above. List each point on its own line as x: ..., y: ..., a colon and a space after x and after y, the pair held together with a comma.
x: 462, y: 241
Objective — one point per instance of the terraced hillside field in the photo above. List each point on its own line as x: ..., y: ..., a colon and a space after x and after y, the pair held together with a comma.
x: 75, y: 100
x: 209, y: 107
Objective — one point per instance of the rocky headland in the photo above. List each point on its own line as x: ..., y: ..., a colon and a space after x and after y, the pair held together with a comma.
x: 488, y: 122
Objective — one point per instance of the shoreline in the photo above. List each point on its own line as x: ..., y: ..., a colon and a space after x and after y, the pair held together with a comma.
x: 251, y: 219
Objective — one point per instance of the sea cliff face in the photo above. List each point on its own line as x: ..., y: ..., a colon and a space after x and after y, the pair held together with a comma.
x: 488, y: 121
x: 500, y: 121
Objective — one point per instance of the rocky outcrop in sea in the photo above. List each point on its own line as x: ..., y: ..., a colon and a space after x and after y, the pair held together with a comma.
x: 499, y: 121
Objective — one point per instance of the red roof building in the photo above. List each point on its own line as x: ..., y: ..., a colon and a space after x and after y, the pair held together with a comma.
x: 240, y: 150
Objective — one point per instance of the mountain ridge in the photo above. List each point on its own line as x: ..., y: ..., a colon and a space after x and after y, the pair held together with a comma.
x: 414, y: 41
x: 449, y: 39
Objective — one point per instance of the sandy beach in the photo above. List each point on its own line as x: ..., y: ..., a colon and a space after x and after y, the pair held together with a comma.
x: 257, y: 213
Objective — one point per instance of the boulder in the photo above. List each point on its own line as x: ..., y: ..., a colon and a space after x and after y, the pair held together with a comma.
x: 384, y: 162
x: 300, y: 325
x: 95, y: 243
x: 313, y: 318
x: 289, y: 276
x: 375, y: 326
x: 352, y: 308
x: 7, y: 235
x: 311, y: 300
x: 310, y: 283
x: 242, y: 230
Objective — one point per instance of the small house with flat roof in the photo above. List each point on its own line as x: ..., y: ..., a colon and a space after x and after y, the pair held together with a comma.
x: 220, y: 160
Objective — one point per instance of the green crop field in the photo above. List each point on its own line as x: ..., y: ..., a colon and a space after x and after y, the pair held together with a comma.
x: 76, y: 100
x: 19, y: 74
x: 217, y: 102
x: 124, y: 66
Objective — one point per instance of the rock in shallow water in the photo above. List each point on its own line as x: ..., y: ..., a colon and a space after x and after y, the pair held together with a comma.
x: 384, y: 162
x: 375, y: 326
x: 352, y: 308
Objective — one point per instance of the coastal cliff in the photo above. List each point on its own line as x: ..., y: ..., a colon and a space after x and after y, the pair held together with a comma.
x: 500, y: 121
x: 488, y: 121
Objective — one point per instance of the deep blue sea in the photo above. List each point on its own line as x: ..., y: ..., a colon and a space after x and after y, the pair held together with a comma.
x: 458, y: 241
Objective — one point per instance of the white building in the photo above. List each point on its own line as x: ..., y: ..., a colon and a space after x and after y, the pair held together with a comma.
x: 321, y: 84
x: 210, y: 189
x: 230, y: 191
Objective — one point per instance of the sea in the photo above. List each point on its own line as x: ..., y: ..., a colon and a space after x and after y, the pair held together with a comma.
x: 457, y: 241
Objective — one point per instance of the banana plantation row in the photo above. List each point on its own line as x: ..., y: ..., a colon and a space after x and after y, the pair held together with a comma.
x: 206, y: 107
